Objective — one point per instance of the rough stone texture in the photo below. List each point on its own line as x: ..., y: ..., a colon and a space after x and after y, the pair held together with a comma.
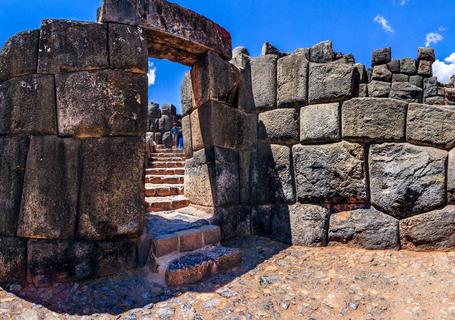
x: 27, y: 105
x: 234, y: 221
x: 366, y: 228
x: 331, y: 82
x: 214, y: 79
x: 111, y: 202
x: 273, y: 174
x: 451, y: 177
x: 186, y: 93
x: 264, y: 81
x: 363, y: 90
x: 381, y: 56
x: 425, y: 68
x: 173, y: 32
x: 261, y: 220
x: 280, y: 126
x: 167, y: 139
x: 416, y: 80
x: 394, y: 66
x: 13, y: 257
x: 342, y: 166
x: 379, y: 89
x: 309, y: 224
x: 165, y: 123
x: 13, y: 154
x: 426, y: 54
x: 408, y: 66
x: 292, y: 80
x: 246, y: 162
x: 437, y: 100
x: 431, y: 125
x: 429, y: 231
x: 245, y: 91
x: 19, y: 55
x: 67, y: 46
x: 154, y: 110
x: 430, y: 87
x: 187, y: 141
x: 51, y: 189
x: 406, y: 180
x: 212, y: 177
x: 406, y: 91
x: 399, y: 77
x: 381, y: 73
x: 268, y: 48
x: 322, y: 52
x: 127, y: 48
x: 373, y: 119
x: 114, y: 103
x: 320, y: 123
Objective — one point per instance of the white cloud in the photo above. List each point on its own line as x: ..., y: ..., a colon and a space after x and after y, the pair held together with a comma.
x: 444, y: 70
x: 401, y: 2
x: 433, y: 37
x: 151, y: 74
x: 383, y: 22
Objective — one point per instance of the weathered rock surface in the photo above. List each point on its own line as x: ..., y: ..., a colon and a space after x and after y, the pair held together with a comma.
x: 373, y: 119
x: 406, y: 180
x: 406, y: 91
x: 426, y: 54
x: 114, y: 103
x: 280, y: 126
x: 27, y: 105
x: 381, y: 73
x: 51, y: 189
x: 408, y: 66
x: 431, y: 125
x: 366, y: 228
x: 381, y: 56
x: 165, y: 123
x: 186, y: 93
x: 425, y: 68
x: 394, y: 65
x: 264, y: 81
x: 13, y: 257
x: 416, y: 80
x: 68, y: 46
x: 234, y: 221
x: 187, y: 140
x: 320, y: 123
x: 111, y: 201
x: 379, y: 89
x: 322, y: 52
x: 342, y: 166
x: 309, y: 224
x: 261, y: 220
x: 245, y: 91
x: 399, y: 77
x: 451, y: 177
x: 431, y: 230
x: 292, y: 80
x: 430, y: 87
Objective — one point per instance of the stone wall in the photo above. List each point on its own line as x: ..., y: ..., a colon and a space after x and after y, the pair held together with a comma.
x: 160, y: 122
x: 73, y: 114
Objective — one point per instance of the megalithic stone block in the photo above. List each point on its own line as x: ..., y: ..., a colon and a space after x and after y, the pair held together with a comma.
x: 280, y: 126
x: 111, y: 203
x: 51, y: 189
x: 187, y: 140
x: 292, y: 80
x: 242, y: 61
x: 264, y: 81
x: 186, y: 92
x: 19, y: 55
x: 13, y: 259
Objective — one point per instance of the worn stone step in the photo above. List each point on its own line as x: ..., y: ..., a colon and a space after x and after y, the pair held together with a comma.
x: 168, y: 155
x: 164, y: 179
x: 165, y: 171
x: 194, y: 267
x: 167, y: 164
x: 167, y: 159
x: 156, y: 204
x: 161, y: 190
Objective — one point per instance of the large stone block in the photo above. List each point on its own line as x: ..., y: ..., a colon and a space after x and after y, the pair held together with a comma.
x: 426, y: 54
x: 280, y: 126
x: 309, y: 224
x: 451, y: 177
x: 214, y: 80
x: 406, y: 180
x: 187, y: 140
x: 322, y: 52
x: 19, y: 55
x: 165, y: 123
x: 332, y: 82
x: 320, y: 123
x: 430, y: 230
x: 431, y: 125
x: 273, y: 174
x: 365, y: 228
x: 245, y: 101
x: 264, y: 81
x: 381, y: 56
x: 68, y: 46
x: 127, y: 48
x: 186, y: 93
x: 246, y: 166
x: 234, y: 221
x: 373, y: 119
x: 111, y: 200
x: 102, y: 103
x: 260, y: 220
x: 425, y: 68
x: 408, y: 66
x: 292, y: 80
x: 212, y: 177
x: 13, y: 259
x: 153, y: 110
x: 13, y: 154
x: 430, y: 87
x: 27, y: 105
x: 379, y: 89
x: 381, y: 73
x: 406, y: 91
x: 333, y: 173
x: 51, y: 189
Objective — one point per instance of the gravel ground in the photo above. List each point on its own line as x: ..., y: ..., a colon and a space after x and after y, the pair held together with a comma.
x: 272, y: 282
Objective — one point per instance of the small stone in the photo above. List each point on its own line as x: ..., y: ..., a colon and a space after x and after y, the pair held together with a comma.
x: 405, y: 91
x: 381, y: 73
x: 416, y: 80
x: 399, y: 77
x: 379, y: 89
x: 394, y: 66
x: 408, y: 66
x: 381, y: 56
x: 425, y: 68
x: 268, y: 48
x: 322, y: 52
x: 426, y: 54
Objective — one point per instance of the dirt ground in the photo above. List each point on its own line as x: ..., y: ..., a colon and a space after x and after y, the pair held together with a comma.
x: 272, y: 282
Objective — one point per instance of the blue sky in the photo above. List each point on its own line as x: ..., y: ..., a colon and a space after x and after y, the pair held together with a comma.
x: 356, y: 26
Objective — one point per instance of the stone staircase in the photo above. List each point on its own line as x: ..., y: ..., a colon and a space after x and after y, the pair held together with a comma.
x: 180, y: 242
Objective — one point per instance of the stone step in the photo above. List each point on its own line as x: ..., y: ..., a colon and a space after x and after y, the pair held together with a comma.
x: 168, y: 155
x: 160, y: 190
x: 167, y: 159
x: 164, y: 179
x: 157, y: 204
x: 165, y: 171
x: 167, y: 164
x: 194, y: 267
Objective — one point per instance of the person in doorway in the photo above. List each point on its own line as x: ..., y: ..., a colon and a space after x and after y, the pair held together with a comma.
x: 180, y: 139
x: 175, y: 134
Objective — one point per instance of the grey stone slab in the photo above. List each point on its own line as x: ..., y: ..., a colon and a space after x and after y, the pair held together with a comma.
x: 280, y: 126
x: 292, y: 77
x: 264, y: 81
x: 320, y: 123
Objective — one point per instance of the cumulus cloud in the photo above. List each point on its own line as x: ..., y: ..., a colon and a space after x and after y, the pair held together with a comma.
x: 433, y: 37
x: 444, y: 69
x: 151, y: 74
x: 383, y: 23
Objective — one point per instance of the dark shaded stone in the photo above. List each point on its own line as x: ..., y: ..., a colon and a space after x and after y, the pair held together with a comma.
x: 186, y: 93
x: 381, y: 56
x: 379, y: 89
x: 264, y: 81
x: 112, y: 189
x: 309, y: 225
x: 168, y: 110
x: 365, y: 228
x: 343, y: 170
x: 399, y: 77
x: 13, y: 154
x: 268, y: 48
x: 187, y: 140
x: 127, y: 48
x: 363, y: 90
x: 68, y: 46
x: 408, y: 66
x: 234, y: 221
x: 113, y: 257
x: 19, y: 55
x: 425, y: 68
x: 167, y: 139
x: 165, y: 123
x: 154, y: 125
x: 430, y: 87
x: 13, y: 259
x: 406, y: 91
x: 292, y: 77
x: 363, y: 75
x: 280, y: 126
x: 27, y: 105
x: 322, y: 52
x: 381, y: 73
x: 261, y: 220
x: 280, y: 225
x: 246, y: 165
x: 102, y: 103
x: 426, y: 54
x: 320, y: 123
x: 394, y: 66
x: 416, y: 80
x: 153, y: 110
x: 51, y: 189
x: 406, y: 180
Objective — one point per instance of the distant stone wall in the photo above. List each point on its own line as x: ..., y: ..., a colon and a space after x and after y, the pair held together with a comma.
x: 160, y: 122
x: 73, y: 114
